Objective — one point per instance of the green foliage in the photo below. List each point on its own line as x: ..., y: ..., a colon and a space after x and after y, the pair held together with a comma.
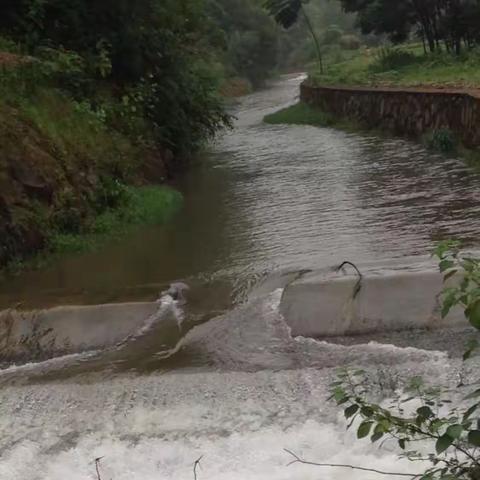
x: 464, y: 272
x: 287, y: 13
x: 442, y: 140
x: 162, y: 51
x: 407, y: 66
x: 450, y: 22
x: 391, y: 59
x: 146, y: 206
x: 350, y: 42
x: 332, y: 35
x: 248, y: 43
x: 449, y: 430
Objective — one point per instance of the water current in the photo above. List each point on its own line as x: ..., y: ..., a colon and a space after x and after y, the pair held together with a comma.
x: 234, y: 387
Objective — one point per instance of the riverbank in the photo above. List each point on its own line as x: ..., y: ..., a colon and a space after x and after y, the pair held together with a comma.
x: 442, y: 140
x: 68, y: 180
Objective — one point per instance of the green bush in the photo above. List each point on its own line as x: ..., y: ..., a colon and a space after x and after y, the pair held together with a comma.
x: 387, y: 59
x: 449, y: 428
x: 442, y: 140
x: 350, y: 42
x: 111, y: 193
x: 332, y: 35
x: 145, y: 206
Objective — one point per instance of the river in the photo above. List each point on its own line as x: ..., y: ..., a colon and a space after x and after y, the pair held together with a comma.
x: 266, y: 202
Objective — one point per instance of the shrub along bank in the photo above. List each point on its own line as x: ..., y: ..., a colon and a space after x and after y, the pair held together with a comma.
x: 98, y: 100
x: 64, y: 170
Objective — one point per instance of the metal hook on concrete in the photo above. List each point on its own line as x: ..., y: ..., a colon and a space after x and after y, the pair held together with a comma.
x: 358, y: 285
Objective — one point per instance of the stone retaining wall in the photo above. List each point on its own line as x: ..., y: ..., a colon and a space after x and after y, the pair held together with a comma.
x: 405, y: 111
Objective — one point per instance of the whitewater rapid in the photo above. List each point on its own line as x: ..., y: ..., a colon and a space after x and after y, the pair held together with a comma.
x: 251, y: 392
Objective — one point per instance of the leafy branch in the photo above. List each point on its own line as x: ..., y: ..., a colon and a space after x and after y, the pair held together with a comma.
x: 454, y: 434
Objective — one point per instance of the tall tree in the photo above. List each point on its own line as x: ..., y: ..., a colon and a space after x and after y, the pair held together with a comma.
x: 287, y: 13
x: 435, y: 21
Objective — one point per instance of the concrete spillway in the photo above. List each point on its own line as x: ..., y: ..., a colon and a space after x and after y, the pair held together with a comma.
x: 65, y: 330
x: 312, y: 306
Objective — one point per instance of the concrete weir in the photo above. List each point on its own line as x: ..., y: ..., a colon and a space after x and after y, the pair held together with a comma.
x: 316, y: 306
x: 58, y: 331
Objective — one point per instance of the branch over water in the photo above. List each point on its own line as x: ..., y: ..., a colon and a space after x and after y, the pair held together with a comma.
x: 297, y: 459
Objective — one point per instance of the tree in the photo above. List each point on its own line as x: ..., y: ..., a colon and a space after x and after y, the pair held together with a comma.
x: 453, y: 22
x: 287, y: 13
x: 250, y: 39
x: 161, y: 55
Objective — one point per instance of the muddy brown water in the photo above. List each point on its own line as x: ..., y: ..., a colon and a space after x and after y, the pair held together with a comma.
x: 268, y: 197
x: 238, y: 388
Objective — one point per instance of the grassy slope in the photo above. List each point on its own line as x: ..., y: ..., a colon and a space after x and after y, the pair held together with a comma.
x: 300, y: 114
x: 142, y: 206
x: 365, y: 67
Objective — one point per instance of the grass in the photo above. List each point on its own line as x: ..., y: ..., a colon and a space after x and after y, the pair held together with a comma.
x: 303, y: 114
x: 300, y: 114
x: 441, y: 141
x: 65, y: 173
x: 81, y: 136
x: 405, y: 65
x: 141, y: 207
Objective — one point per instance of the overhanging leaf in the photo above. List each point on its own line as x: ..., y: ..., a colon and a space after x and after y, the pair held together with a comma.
x: 285, y: 12
x: 446, y: 265
x: 425, y: 412
x: 473, y: 314
x: 474, y: 437
x: 469, y: 411
x: 474, y: 394
x: 449, y: 275
x: 454, y: 431
x: 443, y: 443
x: 351, y: 410
x: 364, y: 429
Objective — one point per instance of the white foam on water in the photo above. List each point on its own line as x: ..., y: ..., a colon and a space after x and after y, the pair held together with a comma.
x: 255, y: 455
x: 51, y: 363
x: 155, y: 426
x: 376, y: 348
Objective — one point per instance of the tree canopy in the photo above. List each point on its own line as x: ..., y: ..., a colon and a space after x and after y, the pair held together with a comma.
x: 451, y: 23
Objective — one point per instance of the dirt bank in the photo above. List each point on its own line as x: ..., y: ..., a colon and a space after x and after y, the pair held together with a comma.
x: 49, y: 182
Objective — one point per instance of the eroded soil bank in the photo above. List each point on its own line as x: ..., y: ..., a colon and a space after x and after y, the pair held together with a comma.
x: 51, y: 184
